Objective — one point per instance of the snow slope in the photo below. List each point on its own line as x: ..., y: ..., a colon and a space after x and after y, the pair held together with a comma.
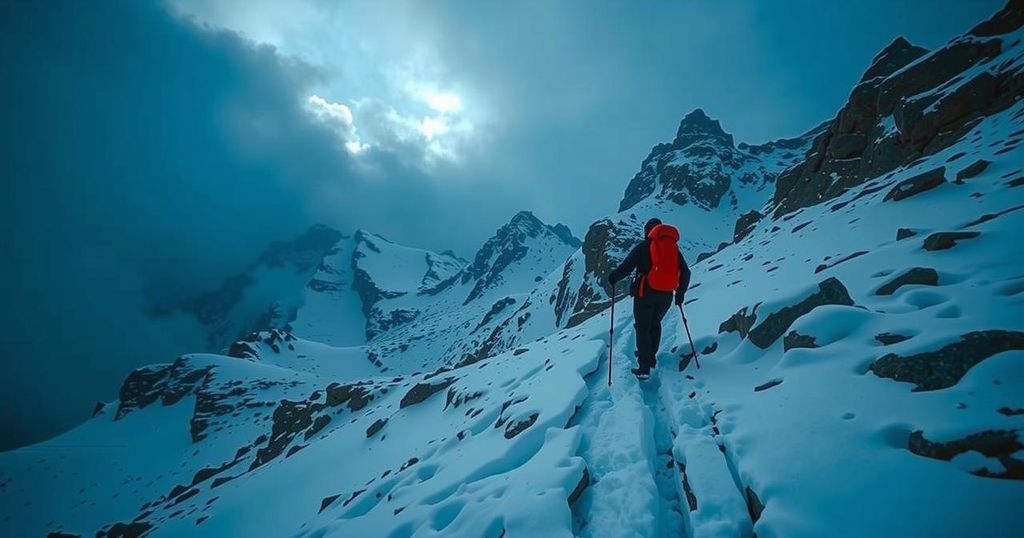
x: 860, y: 340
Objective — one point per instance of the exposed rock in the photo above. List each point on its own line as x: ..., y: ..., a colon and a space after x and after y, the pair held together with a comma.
x: 421, y: 391
x: 933, y: 370
x: 894, y: 56
x: 768, y: 384
x: 908, y: 104
x: 1000, y: 444
x: 98, y: 409
x: 754, y: 505
x: 327, y: 501
x: 846, y: 258
x: 903, y: 233
x: 972, y: 170
x: 924, y: 276
x: 888, y: 339
x: 830, y: 291
x: 605, y: 244
x: 513, y: 429
x: 745, y: 224
x: 135, y: 529
x: 1010, y: 412
x: 946, y: 240
x: 740, y: 322
x: 795, y: 340
x: 917, y: 184
x: 377, y: 426
x: 581, y: 486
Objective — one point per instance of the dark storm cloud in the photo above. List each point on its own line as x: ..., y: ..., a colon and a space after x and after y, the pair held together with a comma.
x: 145, y: 158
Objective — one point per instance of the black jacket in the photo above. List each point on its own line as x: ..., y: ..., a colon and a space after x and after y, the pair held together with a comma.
x: 639, y: 260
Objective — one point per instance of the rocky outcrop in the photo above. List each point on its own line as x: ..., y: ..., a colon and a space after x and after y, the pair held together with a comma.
x: 922, y: 182
x: 605, y: 244
x: 745, y: 224
x: 509, y: 244
x: 946, y: 240
x: 908, y: 104
x: 830, y: 291
x: 1003, y: 445
x: 702, y: 165
x: 944, y: 367
x: 924, y: 276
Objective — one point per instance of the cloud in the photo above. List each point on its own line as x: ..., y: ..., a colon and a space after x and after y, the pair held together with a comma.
x: 339, y: 118
x: 144, y: 158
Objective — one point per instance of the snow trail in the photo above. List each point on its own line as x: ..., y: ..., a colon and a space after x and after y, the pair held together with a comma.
x: 666, y: 476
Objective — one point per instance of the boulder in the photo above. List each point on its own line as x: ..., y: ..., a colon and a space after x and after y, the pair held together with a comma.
x: 946, y: 240
x: 944, y: 367
x: 830, y: 291
x: 917, y: 184
x: 925, y: 276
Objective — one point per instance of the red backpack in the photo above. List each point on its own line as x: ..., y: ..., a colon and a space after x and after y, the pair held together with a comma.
x: 664, y: 273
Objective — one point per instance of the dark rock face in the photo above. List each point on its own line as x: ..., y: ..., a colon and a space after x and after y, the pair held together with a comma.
x: 606, y: 243
x: 896, y: 55
x: 377, y: 426
x: 168, y: 383
x: 513, y: 429
x: 917, y: 184
x: 795, y: 340
x: 754, y: 505
x: 830, y: 291
x: 507, y: 246
x: 924, y: 276
x: 694, y: 168
x: 888, y: 339
x: 767, y: 385
x: 933, y: 370
x: 135, y: 529
x: 972, y: 170
x: 946, y: 240
x: 903, y: 233
x: 421, y: 391
x: 999, y: 444
x: 581, y: 486
x: 740, y: 322
x: 380, y: 322
x: 745, y: 224
x: 906, y: 106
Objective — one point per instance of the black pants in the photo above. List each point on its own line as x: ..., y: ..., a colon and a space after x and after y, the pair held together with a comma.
x: 648, y: 312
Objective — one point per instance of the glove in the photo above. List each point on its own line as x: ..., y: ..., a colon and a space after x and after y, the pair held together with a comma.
x: 680, y: 298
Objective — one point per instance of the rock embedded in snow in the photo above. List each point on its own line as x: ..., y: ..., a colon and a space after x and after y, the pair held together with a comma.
x: 944, y: 367
x: 946, y: 240
x: 917, y: 184
x: 924, y: 276
x: 830, y: 291
x: 1003, y: 445
x: 972, y: 170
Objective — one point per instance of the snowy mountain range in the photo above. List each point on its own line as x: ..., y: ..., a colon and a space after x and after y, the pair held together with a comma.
x: 856, y: 307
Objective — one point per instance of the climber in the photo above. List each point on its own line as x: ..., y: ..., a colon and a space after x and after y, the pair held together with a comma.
x: 652, y: 287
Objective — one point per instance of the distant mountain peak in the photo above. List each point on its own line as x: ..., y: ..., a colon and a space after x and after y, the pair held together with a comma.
x: 698, y: 126
x: 892, y: 58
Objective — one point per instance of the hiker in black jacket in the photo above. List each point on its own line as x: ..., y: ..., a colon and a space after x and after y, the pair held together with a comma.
x: 650, y: 304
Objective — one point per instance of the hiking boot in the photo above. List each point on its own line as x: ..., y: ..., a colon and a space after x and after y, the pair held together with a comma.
x: 641, y: 373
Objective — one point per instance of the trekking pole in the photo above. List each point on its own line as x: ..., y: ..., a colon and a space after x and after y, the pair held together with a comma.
x: 611, y: 332
x: 687, y: 327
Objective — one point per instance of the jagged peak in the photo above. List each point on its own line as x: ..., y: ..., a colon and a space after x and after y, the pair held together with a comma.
x: 1006, y: 20
x: 894, y: 56
x: 698, y: 125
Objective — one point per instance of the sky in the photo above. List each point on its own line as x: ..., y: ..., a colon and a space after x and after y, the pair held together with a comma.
x: 151, y: 149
